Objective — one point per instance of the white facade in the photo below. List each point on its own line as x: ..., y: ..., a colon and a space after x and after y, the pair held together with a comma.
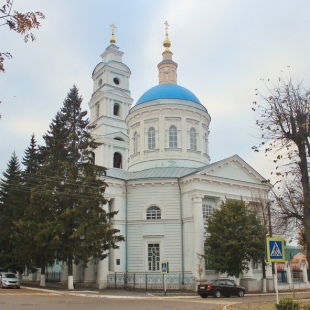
x: 159, y: 174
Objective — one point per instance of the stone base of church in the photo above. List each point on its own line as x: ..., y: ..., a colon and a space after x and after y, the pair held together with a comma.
x: 270, y: 284
x: 102, y: 284
x: 251, y: 285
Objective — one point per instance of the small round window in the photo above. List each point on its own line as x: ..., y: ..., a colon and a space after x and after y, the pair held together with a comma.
x: 100, y: 82
x: 116, y: 80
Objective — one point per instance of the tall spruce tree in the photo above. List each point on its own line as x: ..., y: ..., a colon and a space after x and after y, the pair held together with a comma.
x: 12, y: 207
x: 73, y: 189
x: 33, y: 230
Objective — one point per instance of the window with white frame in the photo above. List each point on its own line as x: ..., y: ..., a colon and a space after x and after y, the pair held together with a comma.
x: 173, y: 137
x: 153, y: 256
x: 153, y: 213
x: 255, y: 264
x: 151, y: 138
x: 207, y: 262
x: 206, y: 211
x: 193, y: 139
x: 135, y: 143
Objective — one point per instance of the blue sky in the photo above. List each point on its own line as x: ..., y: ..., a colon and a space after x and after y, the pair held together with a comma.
x: 223, y: 49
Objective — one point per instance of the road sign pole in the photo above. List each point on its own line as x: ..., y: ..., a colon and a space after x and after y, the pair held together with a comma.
x: 276, y: 282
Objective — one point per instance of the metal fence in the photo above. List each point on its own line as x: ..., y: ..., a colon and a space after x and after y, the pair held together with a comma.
x: 145, y: 281
x: 297, y: 277
x: 52, y: 276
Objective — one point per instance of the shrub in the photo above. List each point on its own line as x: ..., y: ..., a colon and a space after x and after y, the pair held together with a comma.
x: 287, y: 304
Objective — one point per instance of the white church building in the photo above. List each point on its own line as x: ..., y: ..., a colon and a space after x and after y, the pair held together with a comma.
x: 161, y: 180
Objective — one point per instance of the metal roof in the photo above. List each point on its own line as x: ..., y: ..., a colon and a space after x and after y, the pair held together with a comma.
x: 153, y: 173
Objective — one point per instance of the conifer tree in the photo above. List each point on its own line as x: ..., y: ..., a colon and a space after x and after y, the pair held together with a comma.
x: 72, y: 189
x: 32, y: 229
x: 235, y: 237
x: 12, y: 207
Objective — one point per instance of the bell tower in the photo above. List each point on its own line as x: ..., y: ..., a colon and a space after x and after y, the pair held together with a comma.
x: 109, y: 106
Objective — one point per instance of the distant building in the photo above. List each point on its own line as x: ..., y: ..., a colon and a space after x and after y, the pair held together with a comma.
x: 160, y: 176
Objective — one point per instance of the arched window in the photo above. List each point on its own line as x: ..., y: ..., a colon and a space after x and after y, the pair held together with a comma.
x: 151, y: 138
x: 153, y: 213
x: 116, y: 109
x: 135, y: 143
x: 173, y: 137
x: 117, y: 160
x: 192, y: 139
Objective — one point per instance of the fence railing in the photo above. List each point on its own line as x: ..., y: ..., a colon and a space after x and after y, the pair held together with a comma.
x: 297, y: 277
x: 52, y: 276
x: 147, y: 281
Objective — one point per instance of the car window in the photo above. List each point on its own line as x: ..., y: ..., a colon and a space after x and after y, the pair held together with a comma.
x: 222, y: 282
x: 8, y: 275
x: 231, y: 283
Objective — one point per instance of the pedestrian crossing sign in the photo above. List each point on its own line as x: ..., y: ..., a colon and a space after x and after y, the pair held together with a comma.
x: 275, y: 250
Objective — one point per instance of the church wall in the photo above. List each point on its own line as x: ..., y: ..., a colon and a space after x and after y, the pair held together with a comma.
x: 116, y: 194
x: 165, y: 231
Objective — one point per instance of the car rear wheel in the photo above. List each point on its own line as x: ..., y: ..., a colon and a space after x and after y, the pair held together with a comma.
x: 217, y: 294
x: 240, y: 293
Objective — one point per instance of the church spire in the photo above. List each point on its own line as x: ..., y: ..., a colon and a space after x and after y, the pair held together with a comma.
x: 167, y: 68
x: 113, y: 40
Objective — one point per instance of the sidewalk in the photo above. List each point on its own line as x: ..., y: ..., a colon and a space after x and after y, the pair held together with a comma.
x: 109, y: 293
x: 128, y: 293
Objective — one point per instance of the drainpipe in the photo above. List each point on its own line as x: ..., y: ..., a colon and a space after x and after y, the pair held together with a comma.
x: 182, y: 238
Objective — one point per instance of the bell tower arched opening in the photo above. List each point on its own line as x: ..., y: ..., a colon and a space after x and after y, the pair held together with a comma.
x: 117, y: 160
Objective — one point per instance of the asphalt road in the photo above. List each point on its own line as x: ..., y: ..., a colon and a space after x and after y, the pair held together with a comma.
x: 12, y: 299
x: 29, y: 299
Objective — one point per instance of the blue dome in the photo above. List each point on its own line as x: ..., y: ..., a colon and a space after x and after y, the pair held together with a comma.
x: 168, y: 91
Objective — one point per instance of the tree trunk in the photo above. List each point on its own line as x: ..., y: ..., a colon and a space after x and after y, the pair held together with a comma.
x: 306, y: 194
x: 70, y: 273
x: 42, y: 278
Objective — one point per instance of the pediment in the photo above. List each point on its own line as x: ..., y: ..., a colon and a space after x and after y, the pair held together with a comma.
x: 117, y: 136
x: 234, y: 168
x: 117, y: 92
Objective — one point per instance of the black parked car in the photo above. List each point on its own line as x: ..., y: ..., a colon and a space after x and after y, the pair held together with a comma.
x: 220, y: 288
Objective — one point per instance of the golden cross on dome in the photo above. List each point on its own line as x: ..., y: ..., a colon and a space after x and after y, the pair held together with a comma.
x: 113, y: 27
x: 167, y: 25
x: 112, y: 40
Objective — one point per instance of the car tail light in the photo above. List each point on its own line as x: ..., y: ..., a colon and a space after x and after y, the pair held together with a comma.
x: 209, y: 287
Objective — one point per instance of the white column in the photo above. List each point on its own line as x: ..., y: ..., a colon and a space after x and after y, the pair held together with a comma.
x: 64, y: 273
x: 287, y: 268
x: 198, y: 237
x: 89, y: 273
x: 102, y: 273
x: 76, y: 273
x: 303, y: 267
x: 268, y: 271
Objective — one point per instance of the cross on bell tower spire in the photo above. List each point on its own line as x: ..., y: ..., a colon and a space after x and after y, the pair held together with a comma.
x: 113, y: 40
x: 167, y: 69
